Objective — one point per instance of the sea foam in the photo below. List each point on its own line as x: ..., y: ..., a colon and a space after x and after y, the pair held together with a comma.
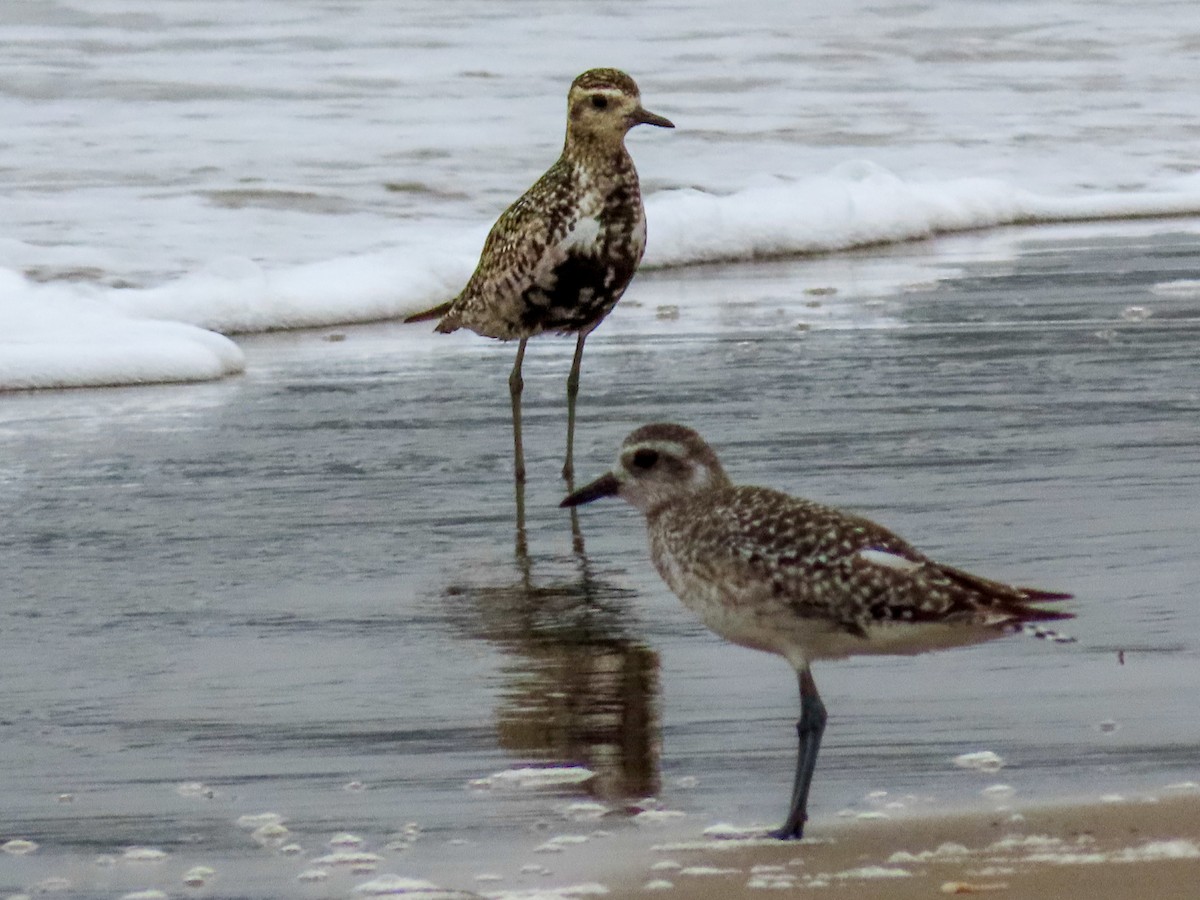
x: 63, y: 334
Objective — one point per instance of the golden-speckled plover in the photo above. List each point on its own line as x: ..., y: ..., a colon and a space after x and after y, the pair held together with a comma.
x: 790, y: 576
x: 560, y: 257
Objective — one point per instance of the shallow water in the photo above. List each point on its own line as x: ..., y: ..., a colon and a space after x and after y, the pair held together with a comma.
x: 299, y: 587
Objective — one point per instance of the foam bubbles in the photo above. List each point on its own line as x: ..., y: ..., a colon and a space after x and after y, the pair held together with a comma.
x: 535, y: 778
x: 144, y: 854
x: 198, y: 876
x: 19, y: 847
x: 252, y: 821
x: 980, y: 761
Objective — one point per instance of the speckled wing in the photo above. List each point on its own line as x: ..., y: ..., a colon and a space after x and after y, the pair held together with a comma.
x: 525, y: 265
x: 826, y: 564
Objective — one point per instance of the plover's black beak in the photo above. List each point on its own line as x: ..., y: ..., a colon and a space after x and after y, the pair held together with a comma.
x: 642, y: 116
x: 604, y: 486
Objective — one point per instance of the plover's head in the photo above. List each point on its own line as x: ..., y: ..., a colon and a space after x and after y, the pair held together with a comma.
x: 603, y: 104
x: 658, y: 464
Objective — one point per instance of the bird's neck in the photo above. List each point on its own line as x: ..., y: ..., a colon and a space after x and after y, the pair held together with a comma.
x: 600, y: 154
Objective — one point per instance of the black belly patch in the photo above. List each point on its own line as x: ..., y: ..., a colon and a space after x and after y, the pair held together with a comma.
x: 583, y: 289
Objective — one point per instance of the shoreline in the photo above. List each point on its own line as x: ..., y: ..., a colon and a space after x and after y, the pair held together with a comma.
x: 1133, y: 848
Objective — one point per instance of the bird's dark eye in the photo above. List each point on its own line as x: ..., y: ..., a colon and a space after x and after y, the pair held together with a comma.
x: 599, y: 101
x: 645, y: 459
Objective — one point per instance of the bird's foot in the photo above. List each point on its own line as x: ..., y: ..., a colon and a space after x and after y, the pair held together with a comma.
x: 789, y: 831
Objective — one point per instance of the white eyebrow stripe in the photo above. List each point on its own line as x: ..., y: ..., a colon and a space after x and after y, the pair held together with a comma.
x: 888, y: 560
x: 663, y: 447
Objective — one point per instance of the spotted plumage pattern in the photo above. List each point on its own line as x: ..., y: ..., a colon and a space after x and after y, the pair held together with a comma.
x: 789, y: 576
x: 795, y: 577
x: 561, y: 256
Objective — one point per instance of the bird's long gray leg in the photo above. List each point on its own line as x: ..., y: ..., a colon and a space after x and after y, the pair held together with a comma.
x: 572, y: 393
x: 809, y: 729
x: 515, y: 385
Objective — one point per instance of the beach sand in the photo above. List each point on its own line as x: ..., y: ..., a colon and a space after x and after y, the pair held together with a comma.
x: 1139, y: 848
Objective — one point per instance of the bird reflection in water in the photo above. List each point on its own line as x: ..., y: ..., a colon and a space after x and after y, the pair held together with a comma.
x: 578, y: 688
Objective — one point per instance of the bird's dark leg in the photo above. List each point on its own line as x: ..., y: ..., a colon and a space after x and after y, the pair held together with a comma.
x: 809, y: 729
x: 515, y: 385
x: 572, y: 393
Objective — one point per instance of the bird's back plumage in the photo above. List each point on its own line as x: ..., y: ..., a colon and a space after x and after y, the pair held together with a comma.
x: 795, y: 577
x: 806, y: 574
x: 561, y: 256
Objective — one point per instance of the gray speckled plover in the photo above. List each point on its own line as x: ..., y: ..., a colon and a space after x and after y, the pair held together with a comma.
x: 562, y: 255
x: 789, y: 576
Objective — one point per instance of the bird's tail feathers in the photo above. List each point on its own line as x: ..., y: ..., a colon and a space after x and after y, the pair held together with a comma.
x: 435, y: 313
x: 1035, y: 595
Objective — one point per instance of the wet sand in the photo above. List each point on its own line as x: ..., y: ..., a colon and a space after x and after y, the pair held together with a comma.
x: 298, y: 587
x: 1141, y: 848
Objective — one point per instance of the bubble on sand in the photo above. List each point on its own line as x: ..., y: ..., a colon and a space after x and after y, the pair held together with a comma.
x: 667, y: 312
x: 195, y: 789
x: 19, y: 846
x: 658, y: 884
x: 686, y: 782
x: 144, y: 854
x: 348, y: 858
x: 666, y: 865
x: 397, y: 885
x: 152, y: 894
x: 873, y: 872
x: 354, y: 787
x: 871, y: 814
x: 590, y: 889
x: 877, y: 795
x: 534, y: 869
x: 488, y: 877
x: 945, y: 851
x: 724, y: 831
x: 560, y: 842
x: 312, y: 876
x: 998, y: 791
x: 535, y: 778
x: 1135, y: 314
x: 584, y: 811
x: 1180, y: 288
x: 251, y: 821
x: 980, y: 761
x: 198, y: 876
x: 345, y: 839
x: 291, y: 849
x: 772, y: 881
x: 708, y: 871
x: 65, y: 798
x: 271, y: 833
x: 1183, y: 786
x: 1156, y: 851
x: 657, y: 816
x: 1112, y: 798
x: 1030, y: 841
